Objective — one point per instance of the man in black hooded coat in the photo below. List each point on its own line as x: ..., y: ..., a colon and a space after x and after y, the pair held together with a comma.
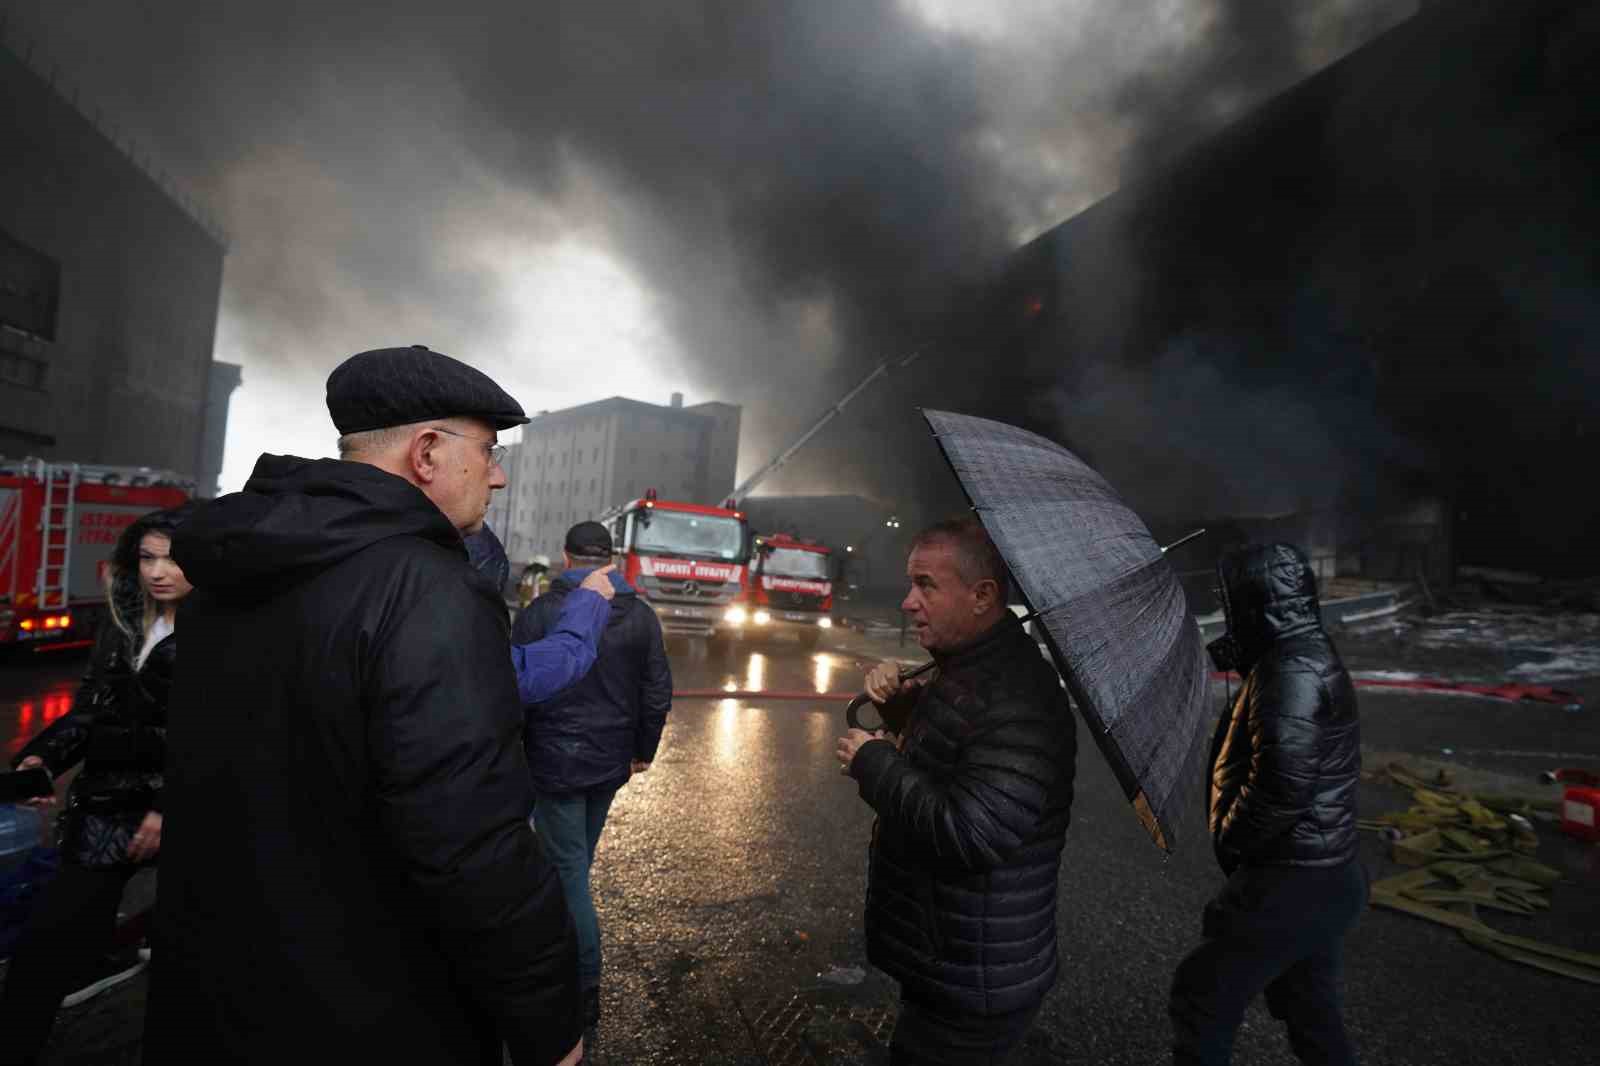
x: 1285, y: 763
x: 348, y: 873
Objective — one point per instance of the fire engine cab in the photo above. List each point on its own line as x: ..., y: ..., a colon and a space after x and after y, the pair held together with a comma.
x: 790, y: 587
x: 686, y: 560
x: 58, y: 525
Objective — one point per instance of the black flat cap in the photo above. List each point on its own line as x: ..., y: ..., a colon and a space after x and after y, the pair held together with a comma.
x: 395, y: 386
x: 590, y: 540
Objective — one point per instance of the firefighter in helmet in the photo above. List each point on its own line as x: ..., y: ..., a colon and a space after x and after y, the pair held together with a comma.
x: 535, y: 580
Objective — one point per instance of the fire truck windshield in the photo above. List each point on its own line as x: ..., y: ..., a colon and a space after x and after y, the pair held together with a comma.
x: 679, y: 533
x: 792, y: 562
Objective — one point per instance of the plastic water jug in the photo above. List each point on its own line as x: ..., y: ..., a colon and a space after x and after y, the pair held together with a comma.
x: 21, y: 830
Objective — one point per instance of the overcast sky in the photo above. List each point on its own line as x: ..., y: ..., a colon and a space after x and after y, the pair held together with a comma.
x: 748, y: 202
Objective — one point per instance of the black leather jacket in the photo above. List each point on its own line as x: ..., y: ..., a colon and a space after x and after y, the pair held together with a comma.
x: 118, y: 729
x: 1286, y: 757
x: 972, y: 817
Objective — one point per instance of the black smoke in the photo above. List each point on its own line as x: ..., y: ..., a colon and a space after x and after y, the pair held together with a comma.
x: 805, y: 189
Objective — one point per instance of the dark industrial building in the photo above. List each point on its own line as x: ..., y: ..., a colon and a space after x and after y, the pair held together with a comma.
x: 1373, y: 303
x: 108, y: 298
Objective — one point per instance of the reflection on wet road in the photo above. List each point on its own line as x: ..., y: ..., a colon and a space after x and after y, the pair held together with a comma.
x: 733, y: 872
x: 34, y: 693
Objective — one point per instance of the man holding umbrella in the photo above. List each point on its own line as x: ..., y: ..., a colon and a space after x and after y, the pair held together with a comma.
x: 973, y: 800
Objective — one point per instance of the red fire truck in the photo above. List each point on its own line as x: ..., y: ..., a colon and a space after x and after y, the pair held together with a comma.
x: 790, y: 587
x: 687, y: 561
x: 58, y: 525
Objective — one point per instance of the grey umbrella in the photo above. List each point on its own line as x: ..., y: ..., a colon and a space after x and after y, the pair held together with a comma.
x: 1113, y: 613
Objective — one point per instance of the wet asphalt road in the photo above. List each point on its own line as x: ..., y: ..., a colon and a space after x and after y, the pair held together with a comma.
x: 730, y: 878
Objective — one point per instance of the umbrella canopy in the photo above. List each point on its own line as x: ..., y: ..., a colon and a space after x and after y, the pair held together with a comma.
x: 1113, y: 612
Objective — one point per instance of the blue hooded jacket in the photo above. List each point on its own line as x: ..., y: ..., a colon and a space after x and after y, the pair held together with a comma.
x: 559, y: 657
x: 586, y: 736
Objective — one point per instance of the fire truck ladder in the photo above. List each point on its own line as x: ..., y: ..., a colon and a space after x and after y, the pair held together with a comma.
x: 55, y: 532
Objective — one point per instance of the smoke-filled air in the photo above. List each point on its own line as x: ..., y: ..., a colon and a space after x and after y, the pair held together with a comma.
x: 752, y: 203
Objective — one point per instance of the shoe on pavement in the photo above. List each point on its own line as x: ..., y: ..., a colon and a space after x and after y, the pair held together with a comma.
x: 112, y: 971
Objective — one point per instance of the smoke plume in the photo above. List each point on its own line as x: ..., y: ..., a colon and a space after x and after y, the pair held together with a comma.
x: 755, y: 202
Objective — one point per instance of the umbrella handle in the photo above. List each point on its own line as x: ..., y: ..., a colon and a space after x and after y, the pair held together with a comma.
x: 852, y: 718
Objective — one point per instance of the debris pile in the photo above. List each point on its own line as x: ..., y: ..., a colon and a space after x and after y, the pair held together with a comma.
x: 1469, y: 851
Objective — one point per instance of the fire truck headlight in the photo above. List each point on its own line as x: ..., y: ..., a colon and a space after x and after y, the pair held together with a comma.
x: 762, y: 618
x: 736, y: 616
x: 825, y: 622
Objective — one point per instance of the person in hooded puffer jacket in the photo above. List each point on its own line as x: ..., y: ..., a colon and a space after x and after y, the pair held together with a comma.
x: 1285, y: 763
x: 112, y: 825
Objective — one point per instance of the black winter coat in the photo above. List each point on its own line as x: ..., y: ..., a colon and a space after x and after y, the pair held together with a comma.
x: 118, y: 729
x: 972, y: 817
x: 347, y: 870
x: 1286, y: 756
x: 588, y: 735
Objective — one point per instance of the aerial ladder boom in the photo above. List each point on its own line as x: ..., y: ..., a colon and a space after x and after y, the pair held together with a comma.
x: 883, y: 370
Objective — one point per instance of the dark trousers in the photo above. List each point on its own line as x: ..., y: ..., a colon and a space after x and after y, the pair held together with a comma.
x: 71, y: 926
x: 927, y: 1037
x: 1278, y: 930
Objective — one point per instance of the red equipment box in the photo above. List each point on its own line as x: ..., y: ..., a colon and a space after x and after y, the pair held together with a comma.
x: 1580, y: 813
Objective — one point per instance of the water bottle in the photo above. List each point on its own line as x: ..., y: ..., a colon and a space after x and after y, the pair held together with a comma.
x: 21, y: 830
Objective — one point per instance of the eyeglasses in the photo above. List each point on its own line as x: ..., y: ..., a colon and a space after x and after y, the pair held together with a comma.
x: 496, y: 452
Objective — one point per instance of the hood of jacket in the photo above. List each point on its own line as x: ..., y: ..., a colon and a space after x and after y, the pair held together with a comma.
x: 568, y: 580
x: 297, y: 517
x: 1269, y: 592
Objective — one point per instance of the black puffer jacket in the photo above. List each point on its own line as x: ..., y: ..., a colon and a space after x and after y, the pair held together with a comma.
x: 1286, y: 756
x: 587, y: 736
x: 117, y: 727
x: 972, y: 817
x: 347, y: 868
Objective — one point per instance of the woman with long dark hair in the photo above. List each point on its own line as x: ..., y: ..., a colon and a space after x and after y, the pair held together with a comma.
x: 111, y: 827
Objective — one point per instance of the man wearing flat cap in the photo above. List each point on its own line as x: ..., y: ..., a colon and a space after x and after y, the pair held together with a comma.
x: 347, y: 868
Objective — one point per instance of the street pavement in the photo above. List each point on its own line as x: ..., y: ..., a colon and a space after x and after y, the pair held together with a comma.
x: 730, y: 878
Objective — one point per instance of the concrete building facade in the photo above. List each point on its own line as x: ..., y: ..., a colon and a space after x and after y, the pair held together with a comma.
x: 574, y: 464
x: 109, y: 288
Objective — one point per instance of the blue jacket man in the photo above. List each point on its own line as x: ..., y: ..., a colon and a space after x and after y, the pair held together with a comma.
x: 583, y: 744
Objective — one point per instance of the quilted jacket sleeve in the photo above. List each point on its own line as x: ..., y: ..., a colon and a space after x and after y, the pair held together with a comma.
x: 1285, y: 738
x: 989, y: 805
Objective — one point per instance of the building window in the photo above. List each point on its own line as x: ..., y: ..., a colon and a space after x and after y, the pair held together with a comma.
x: 597, y: 455
x: 594, y: 486
x: 633, y: 457
x: 18, y: 369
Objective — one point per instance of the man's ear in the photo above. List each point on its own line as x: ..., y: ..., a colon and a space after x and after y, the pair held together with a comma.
x: 984, y: 594
x: 423, y: 456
